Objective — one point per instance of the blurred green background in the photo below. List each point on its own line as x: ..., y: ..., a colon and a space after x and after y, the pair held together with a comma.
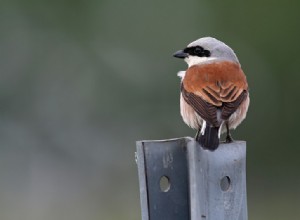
x: 81, y: 81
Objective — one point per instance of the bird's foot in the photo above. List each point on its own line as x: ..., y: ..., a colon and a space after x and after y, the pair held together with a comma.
x: 229, y: 139
x: 197, y: 136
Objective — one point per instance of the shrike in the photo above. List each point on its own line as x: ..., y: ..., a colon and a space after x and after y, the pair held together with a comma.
x: 214, y: 94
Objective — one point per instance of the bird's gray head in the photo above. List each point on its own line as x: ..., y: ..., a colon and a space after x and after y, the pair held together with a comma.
x: 206, y: 50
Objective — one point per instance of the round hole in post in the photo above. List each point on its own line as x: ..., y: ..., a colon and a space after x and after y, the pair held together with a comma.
x: 164, y: 184
x: 225, y: 183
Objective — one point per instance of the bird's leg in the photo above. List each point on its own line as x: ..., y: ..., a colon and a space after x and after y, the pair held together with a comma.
x: 229, y: 139
x: 197, y: 136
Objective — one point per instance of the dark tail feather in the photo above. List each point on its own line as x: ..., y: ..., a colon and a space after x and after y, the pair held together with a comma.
x: 210, y: 139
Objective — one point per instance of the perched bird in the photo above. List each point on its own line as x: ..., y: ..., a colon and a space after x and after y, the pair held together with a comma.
x: 214, y: 94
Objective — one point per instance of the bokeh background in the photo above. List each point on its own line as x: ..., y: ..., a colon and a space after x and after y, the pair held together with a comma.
x: 81, y: 81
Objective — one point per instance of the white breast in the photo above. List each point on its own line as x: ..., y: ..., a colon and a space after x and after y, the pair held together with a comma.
x: 181, y: 75
x: 189, y: 116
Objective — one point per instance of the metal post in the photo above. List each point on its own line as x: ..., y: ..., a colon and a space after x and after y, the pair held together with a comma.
x: 179, y: 180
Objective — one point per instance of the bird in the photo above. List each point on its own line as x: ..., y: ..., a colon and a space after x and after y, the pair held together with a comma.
x: 214, y: 94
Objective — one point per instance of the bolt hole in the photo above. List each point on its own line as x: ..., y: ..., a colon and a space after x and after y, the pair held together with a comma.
x: 164, y: 184
x: 225, y: 183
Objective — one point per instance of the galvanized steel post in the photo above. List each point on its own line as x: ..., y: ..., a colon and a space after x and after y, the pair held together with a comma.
x: 179, y: 180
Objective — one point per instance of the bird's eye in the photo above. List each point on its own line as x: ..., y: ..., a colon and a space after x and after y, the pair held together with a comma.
x: 198, y: 50
x: 206, y: 53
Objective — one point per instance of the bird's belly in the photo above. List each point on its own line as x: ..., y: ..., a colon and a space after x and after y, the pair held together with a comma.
x: 189, y: 116
x: 192, y: 119
x: 238, y: 116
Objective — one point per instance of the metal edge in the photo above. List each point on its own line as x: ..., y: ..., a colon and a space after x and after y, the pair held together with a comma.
x: 142, y: 180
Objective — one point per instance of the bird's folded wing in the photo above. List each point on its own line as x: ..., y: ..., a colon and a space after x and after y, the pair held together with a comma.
x: 206, y: 110
x: 230, y: 107
x: 215, y: 86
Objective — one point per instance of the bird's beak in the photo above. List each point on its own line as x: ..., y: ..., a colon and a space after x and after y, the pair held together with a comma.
x: 180, y: 54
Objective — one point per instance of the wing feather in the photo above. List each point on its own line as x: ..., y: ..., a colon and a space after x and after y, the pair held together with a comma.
x: 214, y: 86
x: 206, y: 110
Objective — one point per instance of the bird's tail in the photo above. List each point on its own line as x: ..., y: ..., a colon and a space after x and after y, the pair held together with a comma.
x: 210, y: 138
